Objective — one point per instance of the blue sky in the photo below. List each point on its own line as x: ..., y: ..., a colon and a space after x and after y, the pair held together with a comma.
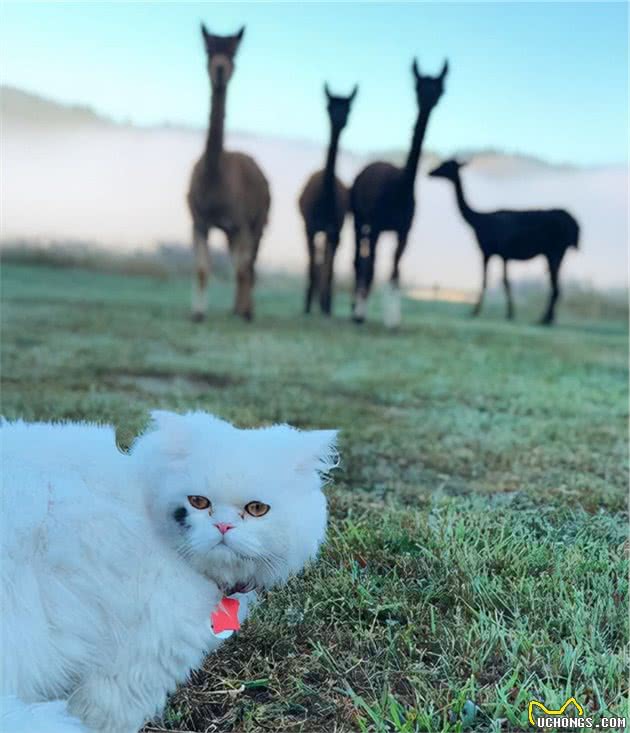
x: 547, y: 79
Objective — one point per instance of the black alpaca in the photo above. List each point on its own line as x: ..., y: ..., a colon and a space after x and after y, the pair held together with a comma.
x: 516, y: 235
x: 382, y: 200
x: 324, y: 204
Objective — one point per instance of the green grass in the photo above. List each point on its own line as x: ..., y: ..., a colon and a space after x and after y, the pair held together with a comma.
x: 477, y: 552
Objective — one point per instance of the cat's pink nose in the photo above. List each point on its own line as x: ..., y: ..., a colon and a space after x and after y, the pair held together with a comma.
x: 223, y: 527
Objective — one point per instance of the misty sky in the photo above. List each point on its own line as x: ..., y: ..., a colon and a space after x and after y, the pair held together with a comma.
x: 546, y: 79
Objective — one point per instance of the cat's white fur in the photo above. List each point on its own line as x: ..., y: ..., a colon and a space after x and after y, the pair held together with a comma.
x: 106, y: 596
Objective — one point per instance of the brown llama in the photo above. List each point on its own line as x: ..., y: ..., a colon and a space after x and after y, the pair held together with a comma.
x: 323, y: 205
x: 227, y: 191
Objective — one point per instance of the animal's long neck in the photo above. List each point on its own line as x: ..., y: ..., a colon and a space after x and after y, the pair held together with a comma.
x: 331, y: 157
x: 214, y: 141
x: 469, y: 215
x: 411, y: 166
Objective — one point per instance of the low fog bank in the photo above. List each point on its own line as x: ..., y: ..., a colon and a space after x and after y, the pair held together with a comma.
x: 125, y: 188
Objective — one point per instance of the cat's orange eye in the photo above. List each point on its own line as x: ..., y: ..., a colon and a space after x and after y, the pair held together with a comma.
x: 199, y: 502
x: 257, y: 508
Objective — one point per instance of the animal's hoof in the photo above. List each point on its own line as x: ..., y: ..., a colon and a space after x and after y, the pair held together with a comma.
x: 246, y: 315
x: 392, y: 312
x: 359, y: 308
x: 545, y: 322
x: 197, y: 317
x: 325, y: 306
x: 474, y: 312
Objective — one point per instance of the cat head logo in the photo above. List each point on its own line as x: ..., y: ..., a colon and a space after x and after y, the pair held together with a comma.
x: 547, y: 711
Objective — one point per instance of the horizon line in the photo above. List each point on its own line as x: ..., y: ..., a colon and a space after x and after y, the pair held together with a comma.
x: 105, y: 117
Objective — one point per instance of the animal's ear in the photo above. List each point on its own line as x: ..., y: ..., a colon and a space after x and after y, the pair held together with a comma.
x: 237, y: 38
x: 316, y: 450
x: 415, y: 69
x: 354, y: 93
x: 163, y: 419
x: 444, y: 71
x: 327, y: 91
x: 205, y: 34
x: 173, y: 433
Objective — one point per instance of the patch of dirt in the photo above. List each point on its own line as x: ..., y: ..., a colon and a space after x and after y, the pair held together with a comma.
x: 164, y: 382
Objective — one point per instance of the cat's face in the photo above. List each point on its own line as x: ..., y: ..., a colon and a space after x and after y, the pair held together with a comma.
x: 244, y: 507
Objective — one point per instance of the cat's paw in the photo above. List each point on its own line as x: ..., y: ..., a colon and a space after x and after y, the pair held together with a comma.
x: 102, y: 704
x: 246, y: 603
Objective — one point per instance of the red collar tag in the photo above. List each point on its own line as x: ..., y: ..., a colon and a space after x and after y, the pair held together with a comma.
x: 225, y: 618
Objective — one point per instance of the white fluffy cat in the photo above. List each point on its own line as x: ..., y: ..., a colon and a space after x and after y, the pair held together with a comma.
x: 111, y: 563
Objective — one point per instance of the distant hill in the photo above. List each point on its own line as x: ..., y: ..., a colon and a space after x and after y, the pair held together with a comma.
x: 22, y: 108
x: 71, y: 174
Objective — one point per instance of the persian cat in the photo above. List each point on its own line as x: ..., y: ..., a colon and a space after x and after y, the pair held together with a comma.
x: 113, y: 563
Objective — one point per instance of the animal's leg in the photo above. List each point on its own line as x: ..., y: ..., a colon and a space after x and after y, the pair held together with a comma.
x: 364, y: 270
x: 508, y: 291
x: 243, y: 251
x: 128, y: 681
x: 554, y: 270
x: 484, y: 282
x: 312, y: 272
x: 121, y: 701
x: 400, y: 248
x: 326, y: 272
x: 391, y: 302
x: 202, y: 272
x: 129, y: 684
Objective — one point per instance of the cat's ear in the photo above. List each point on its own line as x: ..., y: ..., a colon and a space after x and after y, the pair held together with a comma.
x: 163, y: 419
x: 173, y: 432
x: 316, y: 450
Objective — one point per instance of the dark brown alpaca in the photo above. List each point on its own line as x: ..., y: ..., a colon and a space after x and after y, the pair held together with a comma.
x: 324, y: 204
x: 227, y: 191
x: 382, y: 200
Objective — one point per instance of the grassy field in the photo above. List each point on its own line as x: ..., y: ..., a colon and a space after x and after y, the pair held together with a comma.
x: 477, y: 551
